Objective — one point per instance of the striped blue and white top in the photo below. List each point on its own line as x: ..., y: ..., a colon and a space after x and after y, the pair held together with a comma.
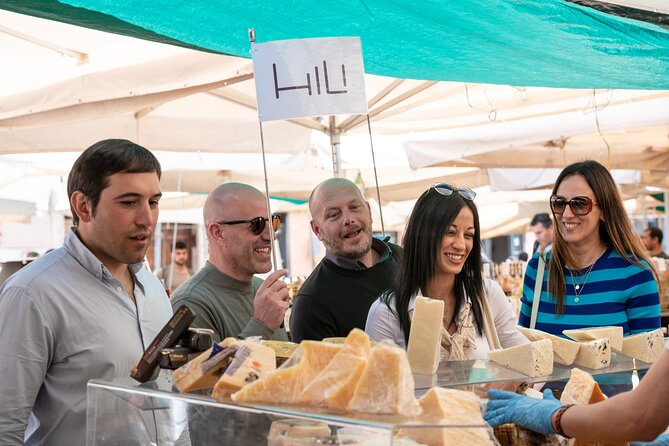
x: 615, y: 292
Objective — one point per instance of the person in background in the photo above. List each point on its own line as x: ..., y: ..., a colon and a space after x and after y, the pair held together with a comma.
x: 652, y: 240
x: 225, y: 295
x: 177, y: 272
x: 442, y: 260
x: 87, y: 309
x: 640, y: 414
x: 597, y: 268
x: 357, y: 267
x: 542, y: 226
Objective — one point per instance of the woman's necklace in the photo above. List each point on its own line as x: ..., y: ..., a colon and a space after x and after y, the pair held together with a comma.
x: 578, y: 287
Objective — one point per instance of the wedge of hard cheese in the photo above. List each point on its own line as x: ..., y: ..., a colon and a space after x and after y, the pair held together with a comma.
x: 289, y: 431
x: 581, y: 389
x: 284, y: 384
x: 386, y: 385
x: 533, y: 359
x: 594, y: 354
x: 564, y: 350
x: 335, y: 384
x: 251, y: 362
x: 613, y: 333
x: 282, y: 350
x: 645, y: 347
x: 454, y: 408
x: 203, y: 371
x: 424, y: 345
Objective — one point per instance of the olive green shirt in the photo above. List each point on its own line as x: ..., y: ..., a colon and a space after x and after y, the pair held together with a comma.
x: 224, y: 305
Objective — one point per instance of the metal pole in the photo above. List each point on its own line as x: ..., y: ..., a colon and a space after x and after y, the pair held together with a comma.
x: 334, y: 144
x: 376, y: 178
x: 272, y: 235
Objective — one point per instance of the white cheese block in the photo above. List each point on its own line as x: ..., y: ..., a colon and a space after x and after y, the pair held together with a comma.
x: 424, y: 346
x: 294, y: 431
x: 533, y: 359
x: 594, y: 354
x: 645, y: 347
x: 615, y: 335
x: 564, y: 350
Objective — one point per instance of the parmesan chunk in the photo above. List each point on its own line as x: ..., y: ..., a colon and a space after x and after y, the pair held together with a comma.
x: 564, y: 350
x: 533, y: 359
x: 285, y: 384
x: 645, y: 347
x: 594, y: 354
x: 454, y: 408
x: 386, y: 384
x: 424, y: 345
x: 613, y: 333
x: 334, y: 385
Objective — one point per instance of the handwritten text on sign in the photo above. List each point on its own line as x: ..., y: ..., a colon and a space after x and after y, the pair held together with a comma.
x: 309, y: 77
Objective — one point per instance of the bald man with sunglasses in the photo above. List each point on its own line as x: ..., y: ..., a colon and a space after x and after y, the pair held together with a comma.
x: 225, y: 295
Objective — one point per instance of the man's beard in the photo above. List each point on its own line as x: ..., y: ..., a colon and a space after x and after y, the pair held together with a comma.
x: 336, y: 245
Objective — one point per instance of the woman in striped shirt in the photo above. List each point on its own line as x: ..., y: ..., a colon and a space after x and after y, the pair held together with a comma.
x: 598, y: 272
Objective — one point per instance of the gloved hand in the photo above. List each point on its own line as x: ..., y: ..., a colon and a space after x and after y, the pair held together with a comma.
x: 530, y: 413
x: 662, y: 440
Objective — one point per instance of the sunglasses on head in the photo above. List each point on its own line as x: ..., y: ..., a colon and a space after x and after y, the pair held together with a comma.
x: 578, y: 205
x: 257, y: 224
x: 447, y: 189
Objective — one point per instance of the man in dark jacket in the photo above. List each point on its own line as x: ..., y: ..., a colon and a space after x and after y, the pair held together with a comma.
x: 356, y: 268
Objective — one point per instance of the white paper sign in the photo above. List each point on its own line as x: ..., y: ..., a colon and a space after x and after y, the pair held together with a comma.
x: 309, y: 77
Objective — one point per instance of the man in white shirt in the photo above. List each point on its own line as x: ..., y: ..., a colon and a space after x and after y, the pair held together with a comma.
x: 85, y: 310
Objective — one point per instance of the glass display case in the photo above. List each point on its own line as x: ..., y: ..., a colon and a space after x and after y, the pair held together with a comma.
x: 124, y: 412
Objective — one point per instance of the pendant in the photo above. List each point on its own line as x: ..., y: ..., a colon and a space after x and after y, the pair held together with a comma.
x: 576, y: 299
x: 578, y: 287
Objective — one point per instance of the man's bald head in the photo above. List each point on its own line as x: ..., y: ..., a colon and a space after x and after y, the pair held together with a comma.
x: 341, y: 219
x: 327, y: 188
x: 235, y: 249
x: 228, y: 200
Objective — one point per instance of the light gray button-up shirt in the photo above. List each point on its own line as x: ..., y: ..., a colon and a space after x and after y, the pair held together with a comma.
x: 64, y: 320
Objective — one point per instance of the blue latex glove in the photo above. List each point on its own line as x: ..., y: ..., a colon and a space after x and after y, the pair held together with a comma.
x: 662, y: 440
x: 531, y: 413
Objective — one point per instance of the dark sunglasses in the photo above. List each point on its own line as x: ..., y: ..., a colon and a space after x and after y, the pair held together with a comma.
x: 578, y: 205
x: 447, y: 189
x: 257, y: 224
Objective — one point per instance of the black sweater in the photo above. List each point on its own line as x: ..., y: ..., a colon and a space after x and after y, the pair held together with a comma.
x: 334, y: 300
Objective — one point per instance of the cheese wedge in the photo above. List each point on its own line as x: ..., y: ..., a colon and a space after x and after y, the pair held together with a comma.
x: 282, y: 350
x: 613, y: 333
x: 454, y: 408
x: 335, y: 384
x: 594, y: 354
x: 581, y: 389
x: 386, y: 385
x: 203, y: 372
x: 564, y: 350
x: 285, y: 384
x: 283, y: 432
x: 251, y: 362
x: 645, y: 347
x: 424, y: 345
x: 533, y: 359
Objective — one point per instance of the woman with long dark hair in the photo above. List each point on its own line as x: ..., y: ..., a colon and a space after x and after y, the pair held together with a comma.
x: 442, y: 260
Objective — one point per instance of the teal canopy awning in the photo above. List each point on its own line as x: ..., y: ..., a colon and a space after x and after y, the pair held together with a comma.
x: 548, y: 43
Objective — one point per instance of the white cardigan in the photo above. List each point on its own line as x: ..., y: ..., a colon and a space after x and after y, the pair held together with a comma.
x: 383, y: 324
